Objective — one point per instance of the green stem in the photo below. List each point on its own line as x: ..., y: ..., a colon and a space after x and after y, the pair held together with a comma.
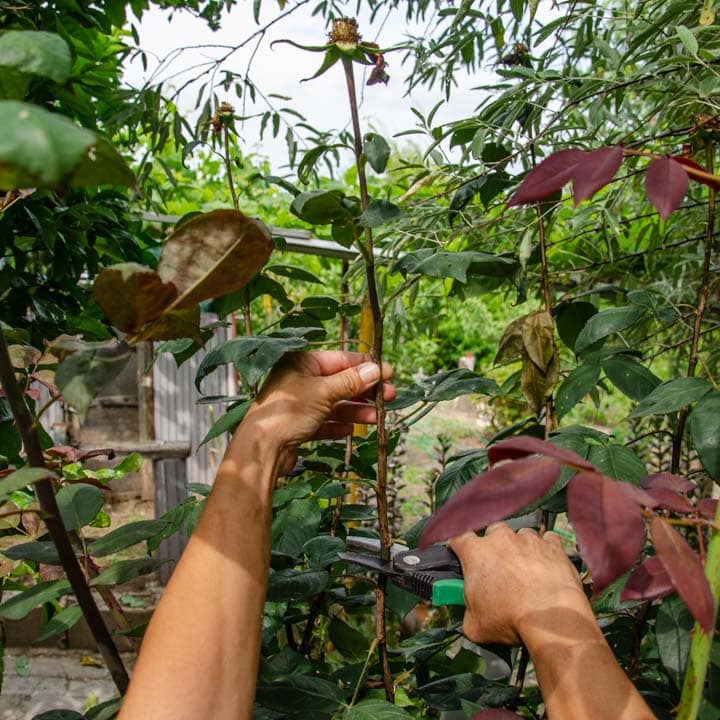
x: 699, y: 657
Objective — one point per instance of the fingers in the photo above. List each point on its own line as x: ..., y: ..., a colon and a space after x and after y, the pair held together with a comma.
x: 334, y: 431
x: 463, y: 545
x: 353, y: 382
x: 350, y: 412
x: 330, y: 362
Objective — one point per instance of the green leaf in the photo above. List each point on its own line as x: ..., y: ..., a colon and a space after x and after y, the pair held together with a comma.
x: 18, y: 606
x: 444, y: 263
x: 606, y: 323
x: 81, y: 375
x: 378, y: 213
x: 377, y: 151
x: 619, y: 462
x: 575, y: 387
x: 293, y: 272
x: 213, y: 254
x: 687, y: 38
x: 252, y: 356
x: 59, y: 715
x: 459, y: 470
x: 38, y: 53
x: 227, y: 422
x: 294, y: 525
x: 446, y: 693
x: 629, y: 376
x: 571, y: 318
x: 290, y: 585
x: 348, y: 641
x: 304, y: 694
x: 445, y: 385
x: 673, y: 626
x: 320, y: 207
x: 130, y: 464
x: 309, y: 160
x: 121, y: 572
x: 704, y: 425
x: 21, y: 478
x: 79, y: 504
x: 672, y: 395
x: 102, y: 165
x: 105, y: 711
x: 322, y: 551
x: 126, y: 536
x: 38, y: 148
x: 60, y: 623
x: 39, y: 551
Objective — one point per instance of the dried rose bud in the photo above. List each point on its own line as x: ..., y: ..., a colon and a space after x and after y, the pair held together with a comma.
x: 344, y: 32
x: 225, y: 108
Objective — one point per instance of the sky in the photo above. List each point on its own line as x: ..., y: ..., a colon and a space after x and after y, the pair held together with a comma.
x: 279, y: 70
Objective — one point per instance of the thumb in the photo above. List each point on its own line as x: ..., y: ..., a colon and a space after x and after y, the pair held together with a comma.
x: 352, y: 382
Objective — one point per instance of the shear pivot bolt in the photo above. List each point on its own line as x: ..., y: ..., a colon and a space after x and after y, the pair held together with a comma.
x: 411, y: 559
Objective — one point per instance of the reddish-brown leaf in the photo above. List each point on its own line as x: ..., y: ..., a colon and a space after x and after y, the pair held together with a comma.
x: 665, y: 185
x: 495, y: 714
x: 670, y: 500
x: 692, y: 164
x: 707, y: 507
x: 493, y: 495
x: 685, y: 570
x: 677, y: 483
x: 595, y: 170
x: 548, y: 177
x: 649, y: 581
x: 608, y: 525
x: 523, y: 445
x: 640, y: 496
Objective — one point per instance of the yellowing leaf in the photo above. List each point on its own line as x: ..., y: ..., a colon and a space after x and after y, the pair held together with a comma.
x: 213, y: 254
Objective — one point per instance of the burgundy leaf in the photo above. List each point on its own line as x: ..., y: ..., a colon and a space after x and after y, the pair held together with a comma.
x: 707, y: 507
x: 685, y: 570
x: 495, y: 714
x: 671, y: 500
x: 595, y: 170
x: 692, y: 164
x: 491, y: 496
x: 523, y: 445
x: 608, y: 525
x: 63, y: 451
x: 667, y: 480
x: 649, y: 581
x: 665, y: 185
x: 640, y: 496
x: 548, y: 177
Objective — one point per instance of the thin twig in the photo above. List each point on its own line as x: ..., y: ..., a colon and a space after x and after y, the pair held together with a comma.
x: 46, y: 498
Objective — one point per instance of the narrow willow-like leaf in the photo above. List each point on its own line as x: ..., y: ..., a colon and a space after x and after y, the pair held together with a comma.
x: 666, y: 184
x: 608, y: 524
x: 493, y: 495
x: 684, y: 568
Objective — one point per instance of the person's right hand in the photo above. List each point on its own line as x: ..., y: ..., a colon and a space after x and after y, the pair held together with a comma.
x: 511, y: 577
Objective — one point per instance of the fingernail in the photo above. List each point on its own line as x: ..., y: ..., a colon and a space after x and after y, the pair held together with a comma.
x: 369, y: 372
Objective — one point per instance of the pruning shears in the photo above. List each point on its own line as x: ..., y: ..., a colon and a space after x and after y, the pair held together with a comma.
x: 434, y: 574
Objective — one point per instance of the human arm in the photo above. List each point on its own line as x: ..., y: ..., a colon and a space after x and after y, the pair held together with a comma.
x: 200, y: 653
x: 521, y: 588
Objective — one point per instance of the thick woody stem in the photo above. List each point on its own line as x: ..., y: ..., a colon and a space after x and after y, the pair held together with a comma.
x: 700, y: 306
x: 377, y: 348
x: 46, y: 499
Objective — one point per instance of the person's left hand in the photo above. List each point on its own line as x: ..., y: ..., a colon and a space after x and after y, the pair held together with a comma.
x: 314, y: 396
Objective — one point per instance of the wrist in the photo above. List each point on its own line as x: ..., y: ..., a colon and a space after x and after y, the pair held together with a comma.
x: 564, y: 618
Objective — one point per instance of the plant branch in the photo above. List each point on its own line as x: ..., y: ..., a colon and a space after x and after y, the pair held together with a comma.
x: 46, y: 499
x: 699, y: 656
x: 377, y: 351
x: 702, y: 299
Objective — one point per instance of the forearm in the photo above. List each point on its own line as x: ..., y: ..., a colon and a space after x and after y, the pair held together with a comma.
x: 200, y: 653
x: 578, y: 674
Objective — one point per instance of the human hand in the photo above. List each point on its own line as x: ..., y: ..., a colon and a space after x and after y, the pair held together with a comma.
x: 314, y: 396
x: 511, y: 579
